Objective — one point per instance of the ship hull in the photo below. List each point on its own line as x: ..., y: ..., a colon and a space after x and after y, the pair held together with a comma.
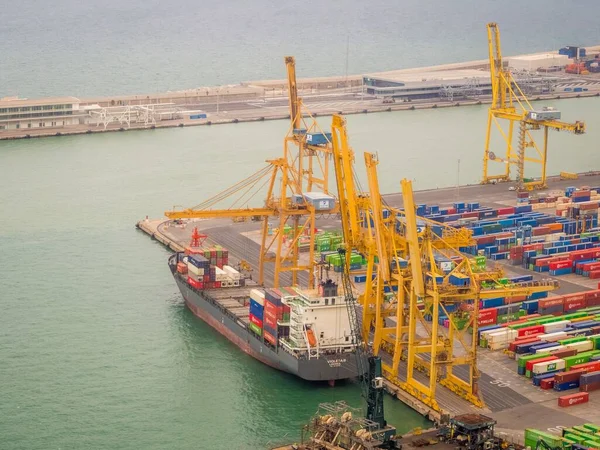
x: 327, y: 367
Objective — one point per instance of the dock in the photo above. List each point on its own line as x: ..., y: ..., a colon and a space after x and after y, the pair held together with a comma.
x: 256, y: 101
x: 510, y: 399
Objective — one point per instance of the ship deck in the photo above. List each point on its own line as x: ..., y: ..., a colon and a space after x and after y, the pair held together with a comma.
x: 510, y: 399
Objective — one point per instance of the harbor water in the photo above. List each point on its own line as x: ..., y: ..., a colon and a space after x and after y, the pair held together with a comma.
x: 97, y: 348
x: 144, y: 46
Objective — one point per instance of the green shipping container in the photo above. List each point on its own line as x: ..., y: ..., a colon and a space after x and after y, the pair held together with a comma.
x: 255, y: 328
x: 574, y: 438
x: 522, y: 361
x: 577, y: 359
x: 572, y: 340
x: 592, y: 427
x: 576, y: 315
x: 535, y: 435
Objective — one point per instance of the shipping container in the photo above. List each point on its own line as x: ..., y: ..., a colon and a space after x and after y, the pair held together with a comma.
x: 255, y: 329
x: 548, y: 366
x: 573, y: 399
x: 539, y: 360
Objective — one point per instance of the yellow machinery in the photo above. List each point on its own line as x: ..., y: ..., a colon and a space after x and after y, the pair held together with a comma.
x: 302, y: 169
x: 402, y: 252
x: 510, y: 104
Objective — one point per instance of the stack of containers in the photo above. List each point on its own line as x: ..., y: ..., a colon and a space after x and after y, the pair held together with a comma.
x: 235, y: 277
x: 257, y: 302
x: 198, y: 271
x: 532, y: 437
x: 551, y: 305
x: 589, y: 382
x: 273, y: 311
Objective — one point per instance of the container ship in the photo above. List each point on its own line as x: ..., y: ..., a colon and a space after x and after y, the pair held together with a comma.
x: 302, y: 332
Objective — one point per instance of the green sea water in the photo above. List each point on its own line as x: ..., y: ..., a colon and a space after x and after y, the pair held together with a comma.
x: 96, y: 348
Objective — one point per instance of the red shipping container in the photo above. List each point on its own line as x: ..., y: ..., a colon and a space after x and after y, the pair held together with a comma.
x: 576, y: 296
x: 470, y: 214
x: 592, y: 298
x: 590, y: 266
x: 256, y: 321
x: 593, y: 366
x: 269, y: 337
x: 573, y: 399
x: 217, y: 284
x: 547, y: 383
x: 270, y: 321
x: 574, y: 305
x: 527, y: 331
x: 505, y: 211
x: 571, y: 375
x: 193, y: 283
x: 564, y: 353
x: 595, y: 275
x: 529, y: 364
x: 559, y: 265
x: 271, y: 308
x: 488, y: 313
x: 528, y: 340
x: 551, y: 301
x: 484, y: 322
x: 590, y: 387
x: 451, y: 210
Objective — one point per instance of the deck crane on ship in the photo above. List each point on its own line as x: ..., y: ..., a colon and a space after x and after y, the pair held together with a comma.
x: 510, y: 104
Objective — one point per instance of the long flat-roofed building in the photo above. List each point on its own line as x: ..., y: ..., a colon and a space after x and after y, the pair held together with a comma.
x: 17, y: 113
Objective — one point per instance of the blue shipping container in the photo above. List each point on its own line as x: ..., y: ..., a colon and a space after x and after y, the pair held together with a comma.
x: 566, y: 385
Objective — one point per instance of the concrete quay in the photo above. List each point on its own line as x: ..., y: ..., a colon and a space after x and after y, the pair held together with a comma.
x: 510, y: 399
x: 267, y: 100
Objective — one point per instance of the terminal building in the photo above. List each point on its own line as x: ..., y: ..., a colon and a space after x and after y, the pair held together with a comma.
x: 17, y: 113
x: 448, y: 84
x: 428, y: 85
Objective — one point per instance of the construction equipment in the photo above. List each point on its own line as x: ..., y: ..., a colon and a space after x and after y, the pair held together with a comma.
x: 303, y: 194
x: 510, y: 104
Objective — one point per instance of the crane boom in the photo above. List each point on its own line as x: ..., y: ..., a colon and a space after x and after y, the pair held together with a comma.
x: 295, y: 102
x: 510, y: 104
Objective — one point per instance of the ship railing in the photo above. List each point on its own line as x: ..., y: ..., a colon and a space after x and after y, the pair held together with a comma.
x: 296, y: 353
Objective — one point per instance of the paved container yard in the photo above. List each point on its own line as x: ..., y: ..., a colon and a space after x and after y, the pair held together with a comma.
x: 510, y: 399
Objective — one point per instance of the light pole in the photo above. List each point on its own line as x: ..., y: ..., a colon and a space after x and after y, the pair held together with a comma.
x: 458, y: 180
x: 218, y: 92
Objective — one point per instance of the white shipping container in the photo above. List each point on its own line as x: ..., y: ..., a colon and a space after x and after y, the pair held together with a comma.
x: 506, y: 336
x: 488, y: 333
x: 582, y: 346
x: 498, y: 345
x: 556, y: 326
x: 550, y: 349
x: 548, y: 366
x: 195, y: 270
x: 258, y: 296
x: 553, y: 337
x: 233, y: 274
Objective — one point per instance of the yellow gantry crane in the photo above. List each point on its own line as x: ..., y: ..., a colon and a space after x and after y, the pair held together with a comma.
x: 510, y: 104
x: 296, y: 193
x: 407, y: 284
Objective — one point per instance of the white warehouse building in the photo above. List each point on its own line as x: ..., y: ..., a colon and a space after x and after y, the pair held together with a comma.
x: 531, y: 63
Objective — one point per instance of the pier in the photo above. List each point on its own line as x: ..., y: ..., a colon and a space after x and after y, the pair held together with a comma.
x: 444, y: 86
x: 510, y: 399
